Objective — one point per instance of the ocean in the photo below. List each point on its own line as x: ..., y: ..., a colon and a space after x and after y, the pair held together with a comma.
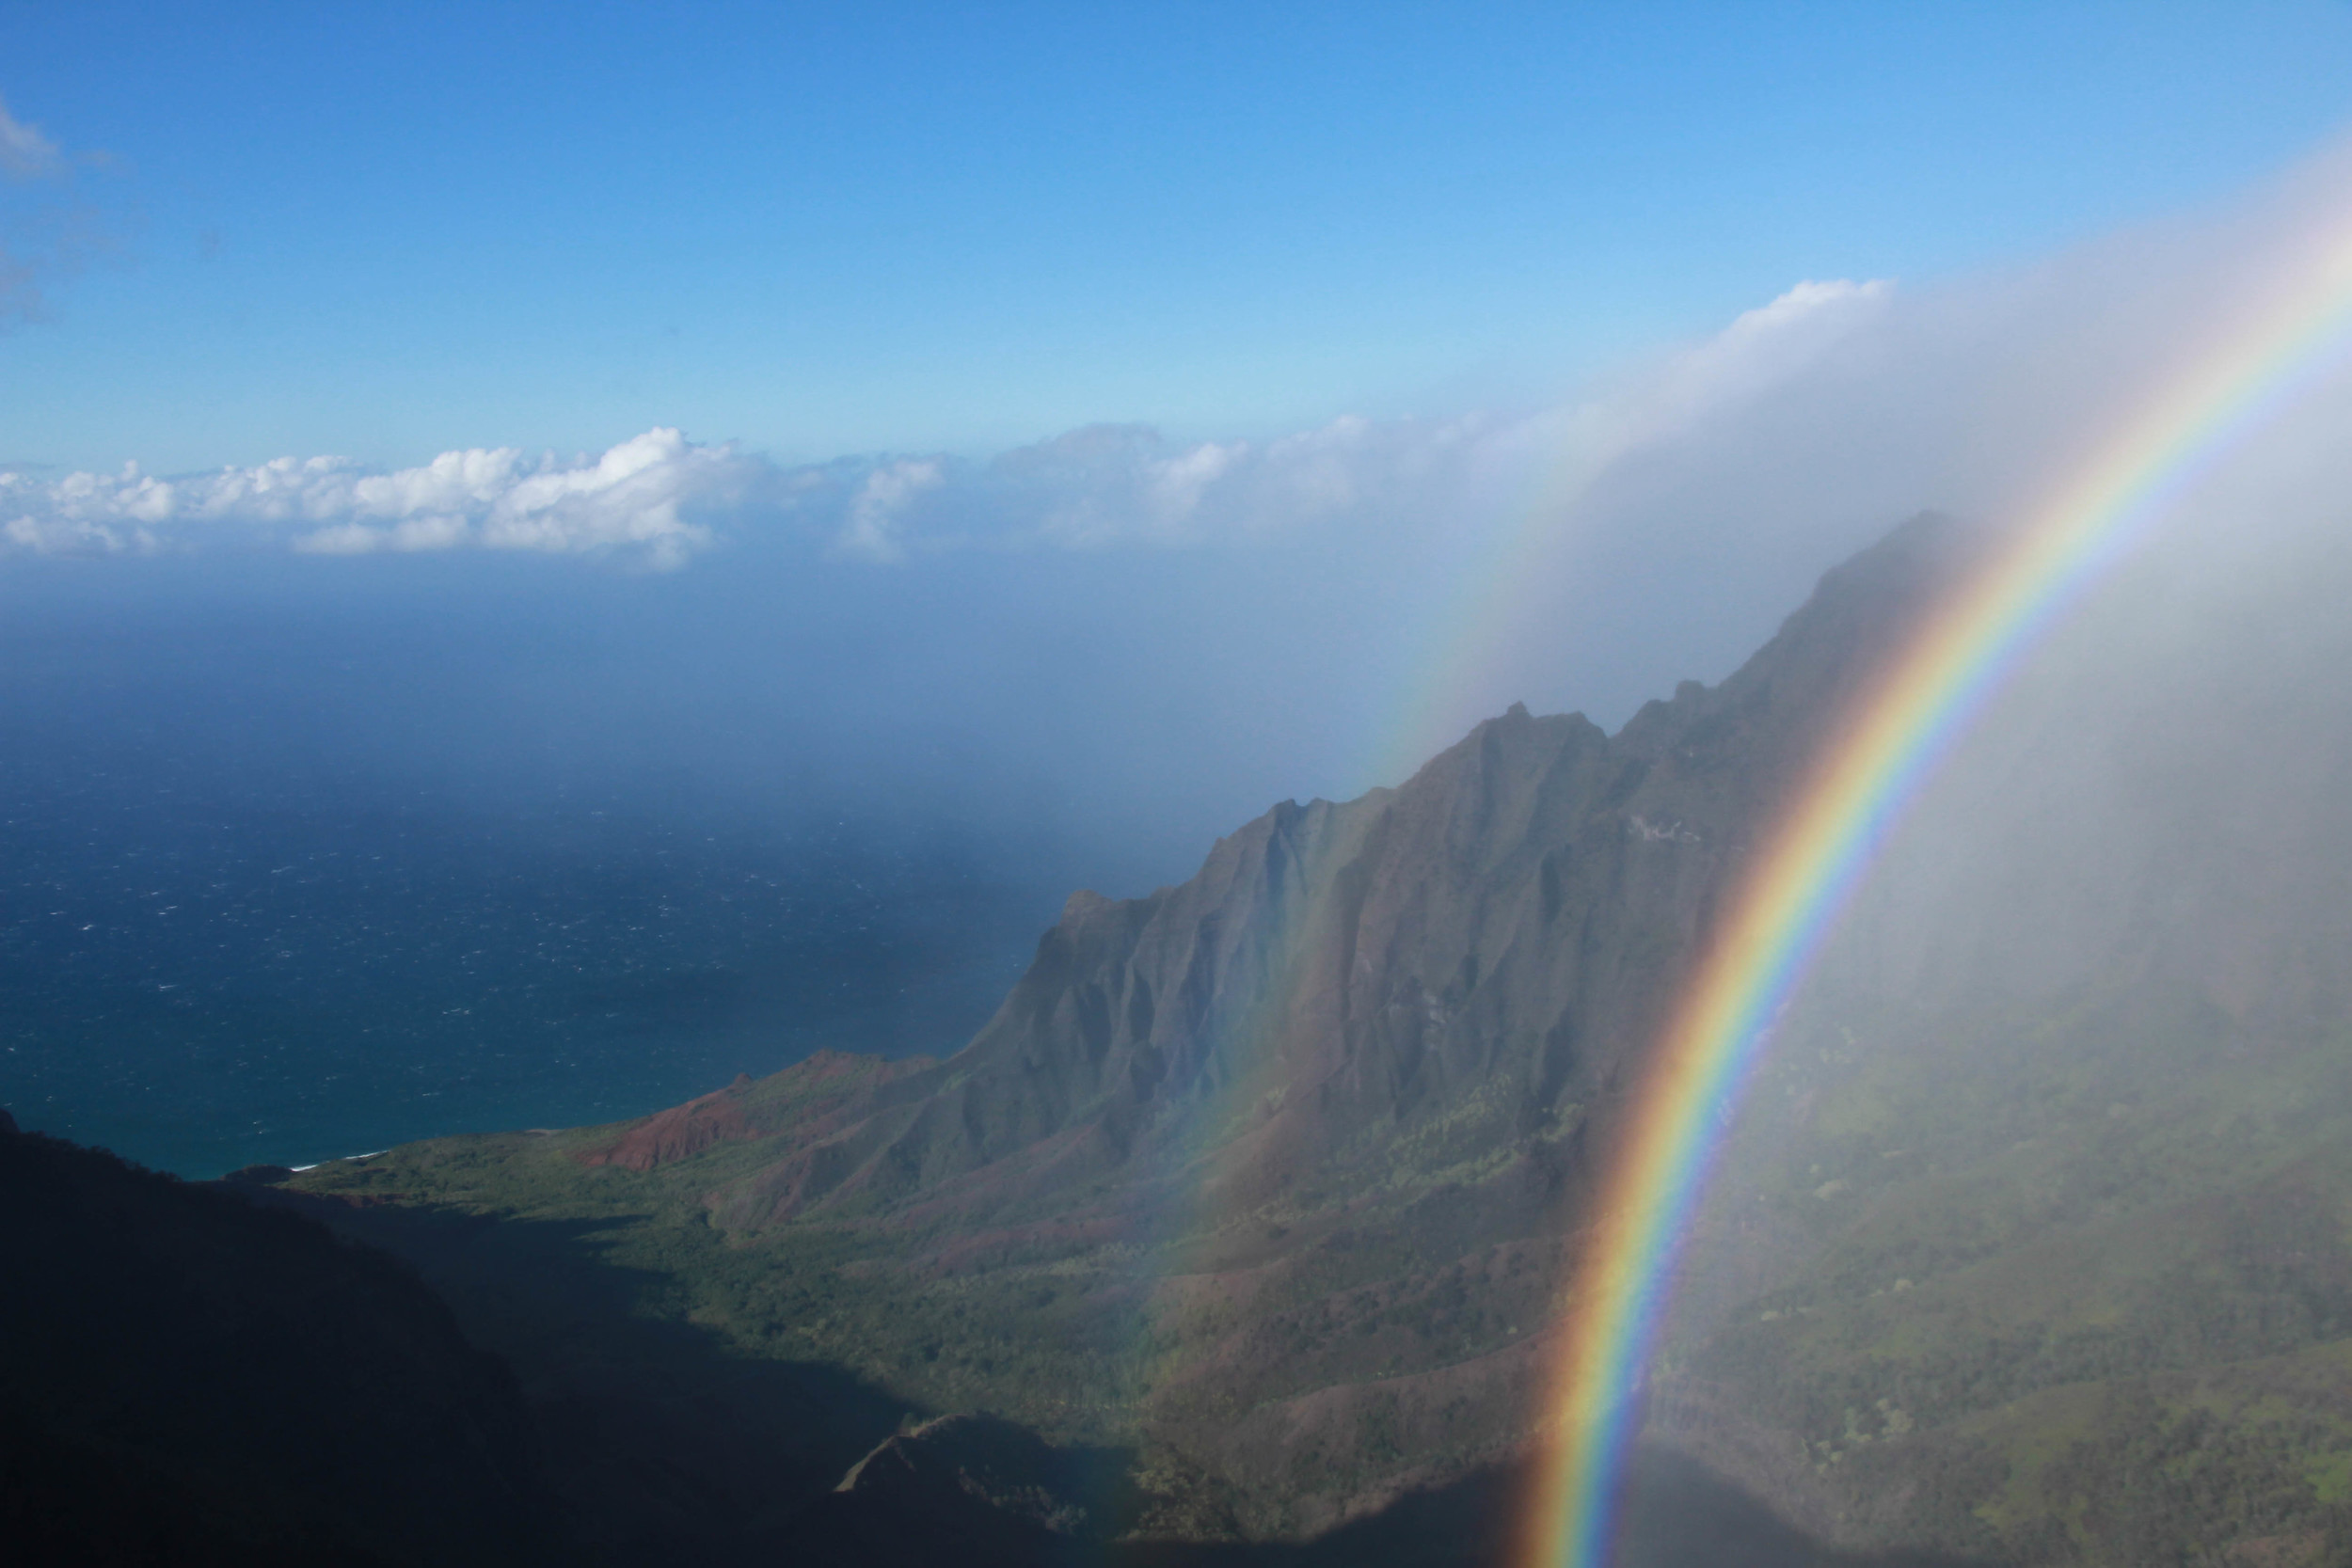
x: 201, y: 980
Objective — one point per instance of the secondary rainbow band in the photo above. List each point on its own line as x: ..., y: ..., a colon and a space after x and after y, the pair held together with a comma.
x: 1788, y: 902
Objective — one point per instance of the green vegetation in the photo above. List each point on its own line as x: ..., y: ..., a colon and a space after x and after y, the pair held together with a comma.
x: 2031, y: 1244
x: 2074, y: 1293
x: 2047, y: 1288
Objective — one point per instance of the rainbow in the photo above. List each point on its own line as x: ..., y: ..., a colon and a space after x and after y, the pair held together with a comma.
x: 2295, y: 331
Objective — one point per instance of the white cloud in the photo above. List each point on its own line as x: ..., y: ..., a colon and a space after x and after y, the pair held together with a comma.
x: 878, y: 511
x: 48, y: 237
x: 1106, y: 486
x: 660, y: 499
x: 24, y: 152
x: 646, y: 499
x: 1743, y: 461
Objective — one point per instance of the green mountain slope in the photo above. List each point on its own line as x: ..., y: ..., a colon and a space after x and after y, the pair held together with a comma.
x: 2030, y: 1246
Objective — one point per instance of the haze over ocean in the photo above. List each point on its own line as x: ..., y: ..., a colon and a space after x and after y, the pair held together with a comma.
x: 273, y: 894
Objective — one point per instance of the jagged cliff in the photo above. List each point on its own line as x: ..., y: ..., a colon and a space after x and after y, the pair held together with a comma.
x: 1503, y: 930
x: 1272, y: 1172
x: 1246, y: 1219
x: 2032, y: 1243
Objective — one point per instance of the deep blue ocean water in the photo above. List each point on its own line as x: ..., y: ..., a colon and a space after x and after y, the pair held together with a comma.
x: 200, y: 980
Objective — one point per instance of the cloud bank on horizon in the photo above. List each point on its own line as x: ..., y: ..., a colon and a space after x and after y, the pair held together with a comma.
x: 660, y: 500
x: 1586, y: 554
x: 633, y: 497
x: 1806, y: 424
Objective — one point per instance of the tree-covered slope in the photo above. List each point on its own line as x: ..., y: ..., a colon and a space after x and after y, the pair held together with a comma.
x: 1270, y: 1174
x: 2028, y: 1245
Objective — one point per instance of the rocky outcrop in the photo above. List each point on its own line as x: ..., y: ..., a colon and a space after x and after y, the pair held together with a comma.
x: 806, y: 1104
x: 1473, y: 956
x: 673, y: 1135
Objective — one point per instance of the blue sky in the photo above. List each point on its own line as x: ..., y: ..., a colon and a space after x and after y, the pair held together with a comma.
x: 390, y: 230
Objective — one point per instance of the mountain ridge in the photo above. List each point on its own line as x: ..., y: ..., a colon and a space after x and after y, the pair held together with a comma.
x: 1131, y: 1005
x: 1242, y: 1231
x: 1283, y: 1162
x: 2033, y: 1242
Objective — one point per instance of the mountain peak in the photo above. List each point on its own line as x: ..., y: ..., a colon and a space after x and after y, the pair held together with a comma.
x: 1484, y: 949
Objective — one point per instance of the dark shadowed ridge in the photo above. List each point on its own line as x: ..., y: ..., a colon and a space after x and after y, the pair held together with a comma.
x: 188, y: 1379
